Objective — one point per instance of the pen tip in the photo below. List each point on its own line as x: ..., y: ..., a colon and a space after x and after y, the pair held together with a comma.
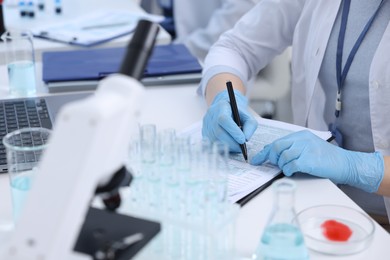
x: 246, y: 160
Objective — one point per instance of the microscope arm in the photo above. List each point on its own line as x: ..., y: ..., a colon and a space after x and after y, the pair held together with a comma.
x: 88, y: 145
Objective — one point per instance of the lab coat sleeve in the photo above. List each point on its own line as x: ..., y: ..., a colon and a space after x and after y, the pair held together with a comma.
x: 222, y: 19
x: 261, y: 34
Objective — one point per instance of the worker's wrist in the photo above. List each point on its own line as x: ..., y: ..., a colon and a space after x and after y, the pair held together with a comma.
x: 367, y: 170
x: 241, y: 100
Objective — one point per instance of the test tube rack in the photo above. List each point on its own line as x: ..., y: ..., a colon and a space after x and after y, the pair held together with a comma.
x: 182, y: 185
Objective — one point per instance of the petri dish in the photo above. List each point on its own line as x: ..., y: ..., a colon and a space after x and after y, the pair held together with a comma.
x: 336, y: 230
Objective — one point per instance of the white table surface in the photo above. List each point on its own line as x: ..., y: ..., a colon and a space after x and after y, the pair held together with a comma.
x: 178, y: 107
x: 71, y: 9
x: 184, y: 107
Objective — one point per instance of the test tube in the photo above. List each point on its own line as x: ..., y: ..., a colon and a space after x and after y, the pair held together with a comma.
x: 166, y: 147
x: 148, y: 141
x: 203, y: 166
x: 183, y: 146
x: 134, y: 158
x: 170, y: 181
x: 183, y: 170
x: 222, y: 170
x: 134, y: 165
x: 201, y: 160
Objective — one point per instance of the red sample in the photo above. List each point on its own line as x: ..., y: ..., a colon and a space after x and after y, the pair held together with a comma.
x: 336, y: 231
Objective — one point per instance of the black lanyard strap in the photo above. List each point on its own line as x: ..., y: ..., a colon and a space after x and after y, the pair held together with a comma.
x: 342, y: 73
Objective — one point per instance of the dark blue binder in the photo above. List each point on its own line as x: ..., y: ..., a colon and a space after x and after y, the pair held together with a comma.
x: 95, y: 64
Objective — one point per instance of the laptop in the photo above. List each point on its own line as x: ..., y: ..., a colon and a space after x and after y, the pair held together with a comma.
x: 30, y: 112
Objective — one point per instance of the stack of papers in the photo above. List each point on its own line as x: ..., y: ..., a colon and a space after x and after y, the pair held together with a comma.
x: 94, y: 28
x: 246, y: 180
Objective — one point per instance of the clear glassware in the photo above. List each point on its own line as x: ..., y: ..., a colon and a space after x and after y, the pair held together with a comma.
x: 148, y: 135
x: 149, y: 168
x: 220, y: 171
x: 166, y: 156
x: 282, y: 238
x: 23, y: 159
x: 170, y: 180
x: 20, y: 60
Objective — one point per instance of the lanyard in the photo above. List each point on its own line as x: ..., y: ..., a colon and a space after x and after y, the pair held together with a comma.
x: 342, y: 73
x: 166, y: 3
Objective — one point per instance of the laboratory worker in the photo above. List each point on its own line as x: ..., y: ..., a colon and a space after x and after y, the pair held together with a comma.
x: 340, y: 82
x: 199, y: 23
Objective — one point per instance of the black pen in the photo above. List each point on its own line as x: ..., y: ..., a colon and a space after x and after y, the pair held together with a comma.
x: 236, y: 116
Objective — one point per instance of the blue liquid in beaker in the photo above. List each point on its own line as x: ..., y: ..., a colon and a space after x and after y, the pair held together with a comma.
x: 282, y: 242
x: 22, y: 78
x: 20, y: 187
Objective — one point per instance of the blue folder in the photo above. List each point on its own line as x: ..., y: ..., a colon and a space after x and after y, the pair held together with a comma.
x: 95, y: 64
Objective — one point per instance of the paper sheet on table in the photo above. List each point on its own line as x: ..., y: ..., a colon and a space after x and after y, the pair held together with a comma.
x: 94, y: 28
x: 245, y: 178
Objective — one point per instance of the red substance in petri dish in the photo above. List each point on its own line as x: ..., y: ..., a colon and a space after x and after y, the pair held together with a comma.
x: 336, y: 231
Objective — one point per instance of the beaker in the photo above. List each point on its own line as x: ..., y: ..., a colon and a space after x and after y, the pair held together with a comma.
x: 282, y: 238
x: 20, y: 61
x: 24, y: 148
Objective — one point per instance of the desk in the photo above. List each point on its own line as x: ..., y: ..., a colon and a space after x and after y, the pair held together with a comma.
x: 184, y: 107
x: 71, y: 9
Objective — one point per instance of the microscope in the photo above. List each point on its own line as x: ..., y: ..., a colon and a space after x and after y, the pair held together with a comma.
x: 86, y: 156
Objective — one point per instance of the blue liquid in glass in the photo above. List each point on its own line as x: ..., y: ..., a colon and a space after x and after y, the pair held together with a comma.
x: 282, y: 242
x: 20, y: 186
x: 22, y: 78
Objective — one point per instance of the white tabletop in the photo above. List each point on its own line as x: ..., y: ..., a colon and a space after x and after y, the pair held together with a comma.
x: 71, y: 9
x: 184, y: 107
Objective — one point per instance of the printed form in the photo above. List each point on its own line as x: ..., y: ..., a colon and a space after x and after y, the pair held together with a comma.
x: 244, y: 178
x: 94, y: 28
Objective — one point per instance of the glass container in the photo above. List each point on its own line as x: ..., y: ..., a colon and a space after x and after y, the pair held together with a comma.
x: 282, y: 238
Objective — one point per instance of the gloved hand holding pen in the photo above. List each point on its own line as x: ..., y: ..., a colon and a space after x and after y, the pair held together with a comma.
x: 218, y: 123
x: 305, y: 152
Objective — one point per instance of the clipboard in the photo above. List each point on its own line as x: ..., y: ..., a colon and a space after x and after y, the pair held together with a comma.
x: 254, y: 193
x: 245, y: 181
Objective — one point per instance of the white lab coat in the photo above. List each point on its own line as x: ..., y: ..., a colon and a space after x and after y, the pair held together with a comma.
x: 306, y: 24
x: 199, y: 23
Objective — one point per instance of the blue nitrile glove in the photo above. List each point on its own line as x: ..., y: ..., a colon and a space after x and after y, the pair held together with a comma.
x: 218, y: 123
x: 305, y: 152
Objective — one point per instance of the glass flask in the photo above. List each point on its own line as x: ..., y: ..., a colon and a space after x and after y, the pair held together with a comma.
x: 282, y: 238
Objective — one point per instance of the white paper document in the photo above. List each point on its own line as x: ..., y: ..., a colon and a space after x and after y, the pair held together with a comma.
x: 94, y: 28
x: 245, y: 178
